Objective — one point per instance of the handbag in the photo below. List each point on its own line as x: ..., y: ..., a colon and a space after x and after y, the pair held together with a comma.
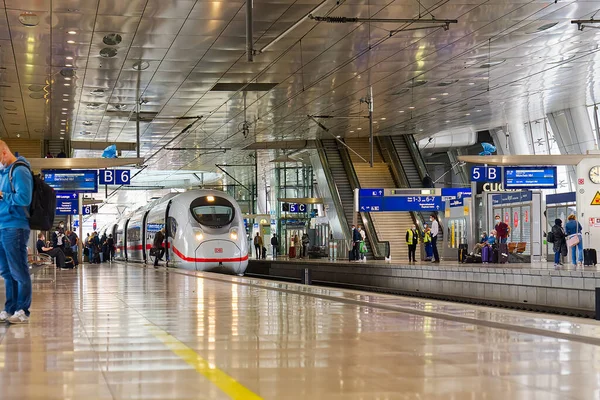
x: 573, y: 240
x: 153, y: 252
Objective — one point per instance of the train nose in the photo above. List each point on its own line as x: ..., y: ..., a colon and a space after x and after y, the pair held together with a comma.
x: 218, y: 252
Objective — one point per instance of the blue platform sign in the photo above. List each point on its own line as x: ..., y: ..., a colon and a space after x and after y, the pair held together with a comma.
x: 78, y: 181
x: 115, y: 177
x: 530, y: 178
x: 455, y: 193
x: 400, y: 203
x: 514, y: 197
x: 457, y: 203
x: 297, y: 208
x: 67, y: 203
x: 486, y: 174
x: 370, y: 193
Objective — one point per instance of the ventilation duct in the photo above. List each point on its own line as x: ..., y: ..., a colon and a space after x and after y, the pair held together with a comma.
x: 444, y: 140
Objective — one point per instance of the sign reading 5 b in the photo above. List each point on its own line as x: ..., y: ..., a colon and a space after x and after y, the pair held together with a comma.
x: 115, y: 177
x: 486, y: 174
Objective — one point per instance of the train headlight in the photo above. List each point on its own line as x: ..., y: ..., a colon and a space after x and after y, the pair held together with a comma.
x: 199, y: 234
x: 233, y: 233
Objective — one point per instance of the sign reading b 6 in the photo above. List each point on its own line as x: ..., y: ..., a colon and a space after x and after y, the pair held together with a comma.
x: 115, y: 177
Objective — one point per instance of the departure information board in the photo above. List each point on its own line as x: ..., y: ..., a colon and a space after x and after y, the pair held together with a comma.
x: 78, y: 181
x: 530, y: 178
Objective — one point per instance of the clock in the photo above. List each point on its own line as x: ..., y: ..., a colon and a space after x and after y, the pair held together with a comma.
x: 595, y: 174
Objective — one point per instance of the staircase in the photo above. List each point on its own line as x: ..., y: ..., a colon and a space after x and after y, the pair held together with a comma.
x: 342, y: 184
x: 390, y: 226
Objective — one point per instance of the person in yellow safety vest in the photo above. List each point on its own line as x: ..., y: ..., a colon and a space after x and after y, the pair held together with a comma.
x: 427, y: 242
x: 412, y: 238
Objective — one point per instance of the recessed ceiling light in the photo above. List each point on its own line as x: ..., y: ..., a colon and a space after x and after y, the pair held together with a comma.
x: 67, y: 84
x: 401, y: 111
x: 65, y: 109
x: 518, y: 65
x: 471, y: 83
x: 66, y: 94
x: 420, y: 130
x: 67, y: 79
x: 434, y: 98
x: 64, y: 113
x: 359, y: 129
x: 338, y: 136
x: 478, y: 110
x: 68, y: 65
x: 447, y: 120
x: 383, y: 118
x: 374, y: 122
x: 467, y: 114
x: 98, y: 92
x: 411, y: 108
x: 71, y: 41
x: 351, y: 131
x: 69, y: 58
x: 445, y: 94
x: 65, y: 99
x: 72, y: 32
x: 87, y: 123
x: 62, y: 137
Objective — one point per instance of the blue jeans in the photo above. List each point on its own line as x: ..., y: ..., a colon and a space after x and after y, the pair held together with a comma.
x: 557, y: 257
x: 574, y: 256
x: 15, y: 269
x: 428, y: 249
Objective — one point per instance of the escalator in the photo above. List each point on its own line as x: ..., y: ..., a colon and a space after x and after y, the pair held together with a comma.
x: 412, y: 164
x: 340, y: 180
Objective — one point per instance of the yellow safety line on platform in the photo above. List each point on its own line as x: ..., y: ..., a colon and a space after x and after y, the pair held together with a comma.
x: 219, y: 378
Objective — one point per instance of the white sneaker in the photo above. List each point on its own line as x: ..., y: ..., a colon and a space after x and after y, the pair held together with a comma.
x: 4, y: 316
x: 19, y: 318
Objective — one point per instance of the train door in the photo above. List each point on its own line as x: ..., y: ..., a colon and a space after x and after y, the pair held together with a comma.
x: 155, y: 221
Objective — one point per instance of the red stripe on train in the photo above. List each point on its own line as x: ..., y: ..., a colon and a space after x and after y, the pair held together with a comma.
x: 192, y: 259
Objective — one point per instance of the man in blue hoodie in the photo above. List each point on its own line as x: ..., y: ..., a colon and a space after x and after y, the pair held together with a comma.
x: 14, y: 235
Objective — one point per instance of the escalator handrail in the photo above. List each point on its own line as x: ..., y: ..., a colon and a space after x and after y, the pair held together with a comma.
x: 381, y: 249
x: 417, y: 157
x: 335, y: 194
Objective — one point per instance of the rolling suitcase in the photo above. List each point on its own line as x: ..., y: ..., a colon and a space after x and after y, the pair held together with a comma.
x: 486, y: 254
x: 589, y: 254
x: 501, y: 253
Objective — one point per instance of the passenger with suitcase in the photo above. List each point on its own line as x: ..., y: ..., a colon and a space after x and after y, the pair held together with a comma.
x: 574, y: 240
x: 502, y: 230
x: 557, y: 237
x: 356, y: 238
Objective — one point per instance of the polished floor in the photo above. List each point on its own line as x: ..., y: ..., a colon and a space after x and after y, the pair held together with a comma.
x: 128, y: 332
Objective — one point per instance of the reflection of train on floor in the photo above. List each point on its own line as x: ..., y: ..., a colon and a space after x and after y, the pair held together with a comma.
x: 204, y: 232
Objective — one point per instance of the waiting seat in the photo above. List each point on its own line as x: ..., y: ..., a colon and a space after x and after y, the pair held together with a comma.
x: 512, y: 247
x: 521, y: 247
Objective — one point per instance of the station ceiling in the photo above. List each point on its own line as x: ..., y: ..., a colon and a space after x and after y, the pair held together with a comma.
x: 75, y: 69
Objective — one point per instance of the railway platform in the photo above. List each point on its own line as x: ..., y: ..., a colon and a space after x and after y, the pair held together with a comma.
x: 126, y: 331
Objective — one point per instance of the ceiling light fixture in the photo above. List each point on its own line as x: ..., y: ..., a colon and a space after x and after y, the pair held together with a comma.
x: 72, y: 32
x: 401, y: 111
x: 359, y: 129
x: 467, y: 114
x: 383, y: 118
x: 29, y: 19
x: 445, y: 94
x: 69, y: 58
x: 71, y: 41
x: 411, y: 108
x: 434, y: 98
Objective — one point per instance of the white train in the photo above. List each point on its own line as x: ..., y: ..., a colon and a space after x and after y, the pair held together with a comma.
x: 204, y: 232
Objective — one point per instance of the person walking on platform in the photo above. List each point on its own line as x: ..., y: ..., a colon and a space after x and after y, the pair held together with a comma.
x: 559, y: 242
x: 305, y: 244
x: 427, y: 242
x: 258, y: 245
x: 362, y: 246
x: 111, y: 247
x: 15, y: 199
x: 356, y: 238
x: 159, y: 250
x: 435, y: 230
x: 574, y: 240
x: 502, y: 229
x: 275, y: 245
x: 412, y: 236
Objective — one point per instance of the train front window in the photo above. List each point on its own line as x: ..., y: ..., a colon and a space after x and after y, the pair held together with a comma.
x: 212, y: 211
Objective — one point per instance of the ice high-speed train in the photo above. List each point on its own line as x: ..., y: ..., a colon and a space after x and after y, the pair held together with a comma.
x: 204, y: 232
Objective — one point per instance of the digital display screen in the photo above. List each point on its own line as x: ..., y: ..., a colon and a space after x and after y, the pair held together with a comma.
x: 530, y: 178
x: 78, y: 181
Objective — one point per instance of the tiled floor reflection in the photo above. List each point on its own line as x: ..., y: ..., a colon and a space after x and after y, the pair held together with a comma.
x: 92, y: 336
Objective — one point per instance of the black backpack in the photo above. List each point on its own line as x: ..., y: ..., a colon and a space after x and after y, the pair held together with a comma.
x: 43, y: 201
x: 550, y: 237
